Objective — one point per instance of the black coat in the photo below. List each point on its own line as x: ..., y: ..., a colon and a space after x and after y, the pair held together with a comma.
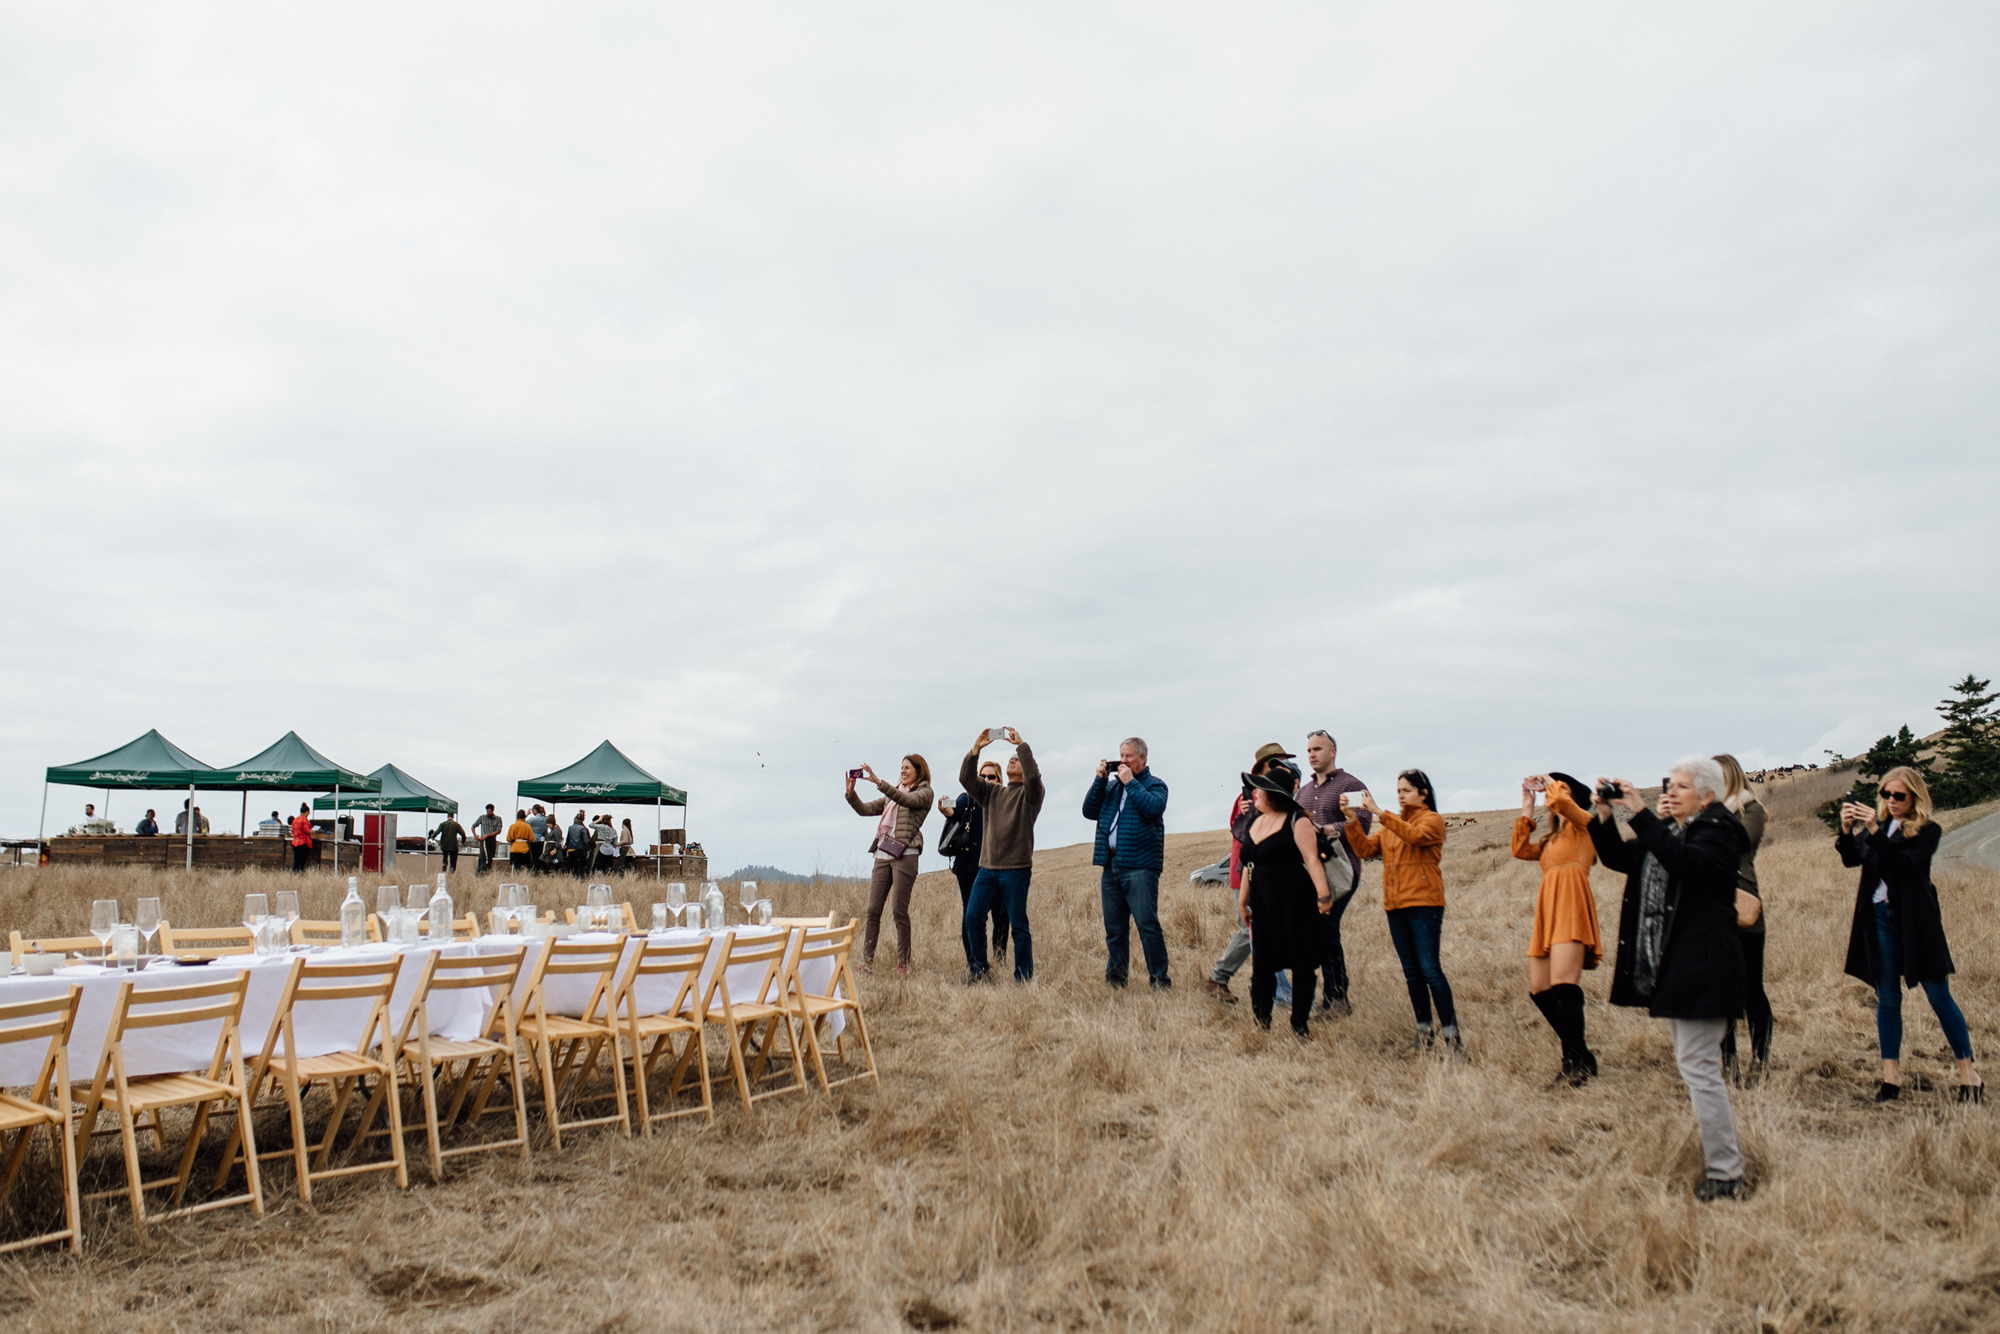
x: 1905, y: 863
x: 1701, y: 961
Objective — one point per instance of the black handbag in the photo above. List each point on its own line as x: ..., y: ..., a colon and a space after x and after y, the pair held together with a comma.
x: 956, y: 840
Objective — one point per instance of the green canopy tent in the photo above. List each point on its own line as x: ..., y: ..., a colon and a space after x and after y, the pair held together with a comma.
x: 606, y: 775
x: 290, y: 765
x: 148, y: 762
x: 398, y: 792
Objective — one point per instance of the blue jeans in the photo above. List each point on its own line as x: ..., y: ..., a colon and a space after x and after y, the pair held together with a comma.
x: 1415, y: 933
x: 988, y: 888
x: 1889, y: 995
x: 1134, y: 894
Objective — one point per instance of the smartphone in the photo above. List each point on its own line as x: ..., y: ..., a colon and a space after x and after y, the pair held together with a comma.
x: 853, y: 775
x: 1666, y: 783
x: 1538, y: 784
x: 1608, y: 792
x: 996, y: 733
x: 1111, y: 766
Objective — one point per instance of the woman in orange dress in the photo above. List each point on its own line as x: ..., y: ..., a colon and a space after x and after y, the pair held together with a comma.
x: 1565, y: 940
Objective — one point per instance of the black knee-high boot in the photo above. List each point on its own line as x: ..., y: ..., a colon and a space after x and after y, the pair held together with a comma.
x: 1578, y: 1061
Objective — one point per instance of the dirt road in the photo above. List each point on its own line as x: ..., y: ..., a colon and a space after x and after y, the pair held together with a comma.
x: 1978, y: 843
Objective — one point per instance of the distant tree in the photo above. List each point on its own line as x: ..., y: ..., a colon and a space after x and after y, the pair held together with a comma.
x: 1970, y: 746
x: 1896, y: 751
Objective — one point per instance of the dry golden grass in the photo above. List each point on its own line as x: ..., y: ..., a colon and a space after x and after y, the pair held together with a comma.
x: 1064, y: 1157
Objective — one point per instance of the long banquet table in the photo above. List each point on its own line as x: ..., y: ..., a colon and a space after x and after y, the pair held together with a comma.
x: 330, y: 1026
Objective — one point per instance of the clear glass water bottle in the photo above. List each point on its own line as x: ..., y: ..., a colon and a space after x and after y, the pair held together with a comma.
x: 441, y: 914
x: 711, y: 906
x: 353, y: 916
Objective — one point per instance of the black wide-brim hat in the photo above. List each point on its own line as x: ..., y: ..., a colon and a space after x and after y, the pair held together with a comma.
x: 1579, y: 791
x: 1281, y: 792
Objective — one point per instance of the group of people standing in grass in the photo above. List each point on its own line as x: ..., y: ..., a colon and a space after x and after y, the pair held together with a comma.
x: 1691, y: 926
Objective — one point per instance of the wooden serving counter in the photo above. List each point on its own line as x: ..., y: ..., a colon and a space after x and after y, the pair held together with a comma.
x: 212, y: 852
x: 677, y: 867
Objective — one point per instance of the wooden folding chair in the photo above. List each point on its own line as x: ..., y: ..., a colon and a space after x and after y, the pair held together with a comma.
x: 462, y: 928
x: 580, y: 1039
x: 129, y: 1096
x: 20, y: 946
x: 425, y: 1054
x: 206, y: 942
x: 631, y: 919
x: 841, y: 995
x: 810, y: 923
x: 45, y: 1108
x: 680, y: 1015
x: 325, y: 984
x: 766, y: 1006
x: 500, y: 927
x: 328, y: 933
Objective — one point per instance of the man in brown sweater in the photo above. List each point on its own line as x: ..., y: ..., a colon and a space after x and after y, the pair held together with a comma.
x: 1006, y: 852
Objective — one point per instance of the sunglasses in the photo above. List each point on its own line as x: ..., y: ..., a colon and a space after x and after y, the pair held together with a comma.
x: 1895, y: 796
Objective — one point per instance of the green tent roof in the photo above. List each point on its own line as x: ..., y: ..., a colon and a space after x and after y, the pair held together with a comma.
x: 606, y: 775
x: 289, y: 765
x: 399, y: 792
x: 151, y: 761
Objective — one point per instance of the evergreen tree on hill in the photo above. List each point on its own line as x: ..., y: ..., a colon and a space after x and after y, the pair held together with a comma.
x: 1970, y: 746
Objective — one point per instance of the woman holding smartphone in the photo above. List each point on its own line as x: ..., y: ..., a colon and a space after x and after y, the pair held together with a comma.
x: 1898, y: 931
x: 899, y: 838
x: 1411, y: 843
x: 1284, y: 895
x: 1565, y: 939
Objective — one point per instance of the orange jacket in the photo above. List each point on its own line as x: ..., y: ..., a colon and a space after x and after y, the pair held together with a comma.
x: 520, y: 836
x: 1412, y: 845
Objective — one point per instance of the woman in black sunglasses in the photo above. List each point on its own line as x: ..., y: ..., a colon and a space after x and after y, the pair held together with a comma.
x: 1898, y: 933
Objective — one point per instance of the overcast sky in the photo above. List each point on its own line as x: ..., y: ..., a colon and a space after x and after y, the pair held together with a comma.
x: 771, y: 390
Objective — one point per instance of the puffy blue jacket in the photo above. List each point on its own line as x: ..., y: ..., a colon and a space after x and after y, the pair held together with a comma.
x: 1142, y: 833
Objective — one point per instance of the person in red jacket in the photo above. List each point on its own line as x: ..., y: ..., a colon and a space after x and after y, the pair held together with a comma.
x: 302, y: 837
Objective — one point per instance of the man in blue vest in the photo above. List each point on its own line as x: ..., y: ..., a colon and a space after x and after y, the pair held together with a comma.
x: 1130, y: 805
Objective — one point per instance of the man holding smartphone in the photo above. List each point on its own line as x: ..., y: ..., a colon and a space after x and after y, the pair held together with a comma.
x: 1319, y: 796
x: 1006, y: 850
x: 1129, y: 805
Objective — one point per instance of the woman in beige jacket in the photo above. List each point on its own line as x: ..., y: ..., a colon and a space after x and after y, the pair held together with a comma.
x: 899, y: 837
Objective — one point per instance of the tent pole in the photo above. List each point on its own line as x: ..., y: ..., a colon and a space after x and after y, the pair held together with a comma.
x: 107, y: 803
x: 336, y: 830
x: 190, y: 827
x: 659, y: 814
x: 42, y: 828
x: 243, y: 820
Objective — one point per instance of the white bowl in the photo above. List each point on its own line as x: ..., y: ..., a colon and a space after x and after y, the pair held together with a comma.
x: 42, y: 965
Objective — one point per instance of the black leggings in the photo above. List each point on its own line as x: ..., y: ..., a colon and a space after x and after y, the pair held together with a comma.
x: 1264, y: 990
x: 1756, y: 1005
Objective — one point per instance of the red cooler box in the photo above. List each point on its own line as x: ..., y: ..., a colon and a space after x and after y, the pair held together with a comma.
x: 378, y: 843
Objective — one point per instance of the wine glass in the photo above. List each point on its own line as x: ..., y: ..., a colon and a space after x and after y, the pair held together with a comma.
x: 288, y: 906
x: 677, y: 894
x: 256, y: 907
x: 148, y: 919
x: 746, y: 894
x: 103, y: 916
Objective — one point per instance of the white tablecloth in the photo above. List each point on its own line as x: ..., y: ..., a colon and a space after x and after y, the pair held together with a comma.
x: 329, y: 1026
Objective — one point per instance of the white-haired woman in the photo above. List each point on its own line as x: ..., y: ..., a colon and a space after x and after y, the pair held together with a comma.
x: 1677, y: 947
x: 1898, y: 932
